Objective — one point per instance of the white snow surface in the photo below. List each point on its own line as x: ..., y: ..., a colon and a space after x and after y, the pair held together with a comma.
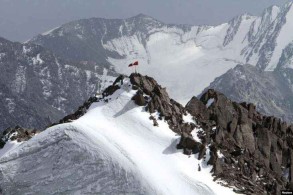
x: 37, y: 60
x: 285, y: 37
x: 113, y: 149
x: 185, y: 63
x: 10, y: 145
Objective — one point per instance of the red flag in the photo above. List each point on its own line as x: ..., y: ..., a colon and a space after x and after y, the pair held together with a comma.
x: 135, y: 63
x: 130, y: 65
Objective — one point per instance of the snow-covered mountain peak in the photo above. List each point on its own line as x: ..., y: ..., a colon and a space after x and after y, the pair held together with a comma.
x: 197, y: 53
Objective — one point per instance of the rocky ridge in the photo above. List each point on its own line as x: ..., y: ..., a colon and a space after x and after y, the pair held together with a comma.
x: 255, y: 150
x: 271, y: 92
x: 249, y: 151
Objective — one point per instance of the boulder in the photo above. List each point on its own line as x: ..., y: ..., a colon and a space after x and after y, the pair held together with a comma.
x: 187, y: 141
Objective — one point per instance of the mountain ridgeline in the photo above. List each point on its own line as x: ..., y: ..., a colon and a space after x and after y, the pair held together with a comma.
x: 199, y: 54
x: 270, y: 91
x: 256, y: 150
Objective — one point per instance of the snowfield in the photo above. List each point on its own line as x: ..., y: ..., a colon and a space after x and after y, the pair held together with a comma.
x: 113, y: 149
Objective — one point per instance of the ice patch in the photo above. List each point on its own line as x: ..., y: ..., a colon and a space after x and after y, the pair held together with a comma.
x: 210, y: 102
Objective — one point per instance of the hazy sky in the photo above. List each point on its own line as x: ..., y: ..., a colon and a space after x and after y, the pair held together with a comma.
x: 23, y: 19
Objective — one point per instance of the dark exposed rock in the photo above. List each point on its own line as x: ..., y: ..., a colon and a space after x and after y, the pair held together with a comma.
x: 197, y: 109
x: 139, y: 99
x: 2, y: 143
x: 110, y: 90
x: 199, y: 168
x: 187, y: 151
x: 159, y: 101
x: 155, y: 122
x: 79, y: 113
x: 254, y: 146
x: 202, y: 151
x: 188, y: 142
x: 217, y: 167
x: 119, y: 80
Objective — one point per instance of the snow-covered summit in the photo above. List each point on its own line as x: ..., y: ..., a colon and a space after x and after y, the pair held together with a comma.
x: 114, y: 149
x: 129, y: 139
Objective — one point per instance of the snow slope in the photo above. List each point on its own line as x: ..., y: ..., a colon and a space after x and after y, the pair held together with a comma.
x: 113, y: 149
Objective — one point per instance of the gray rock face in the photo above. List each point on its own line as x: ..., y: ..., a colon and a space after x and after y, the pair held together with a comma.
x: 255, y: 148
x: 37, y: 88
x: 271, y: 92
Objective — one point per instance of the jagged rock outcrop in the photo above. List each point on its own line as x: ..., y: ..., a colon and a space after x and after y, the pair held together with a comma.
x: 255, y: 148
x: 270, y: 91
x: 79, y: 113
x: 157, y: 99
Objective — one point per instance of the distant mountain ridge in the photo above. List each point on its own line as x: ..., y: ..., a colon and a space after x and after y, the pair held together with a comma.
x: 270, y: 91
x: 184, y: 58
x: 38, y: 88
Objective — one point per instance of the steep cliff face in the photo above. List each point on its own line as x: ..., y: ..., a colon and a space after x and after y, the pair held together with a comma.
x: 37, y: 88
x: 255, y: 150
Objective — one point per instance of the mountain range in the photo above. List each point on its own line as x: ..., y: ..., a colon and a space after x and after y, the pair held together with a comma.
x: 70, y: 125
x: 186, y: 58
